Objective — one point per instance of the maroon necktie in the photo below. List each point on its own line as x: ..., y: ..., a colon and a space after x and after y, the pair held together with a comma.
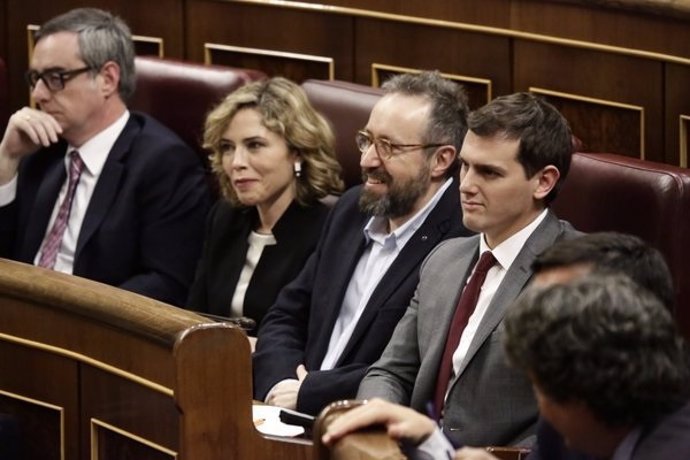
x: 466, y: 305
x: 53, y: 239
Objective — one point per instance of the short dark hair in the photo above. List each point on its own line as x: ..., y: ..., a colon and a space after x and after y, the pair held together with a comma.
x: 102, y: 37
x: 448, y: 123
x: 544, y: 134
x: 604, y: 341
x: 614, y: 252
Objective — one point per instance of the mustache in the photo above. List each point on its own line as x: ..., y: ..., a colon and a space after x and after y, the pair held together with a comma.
x: 377, y: 174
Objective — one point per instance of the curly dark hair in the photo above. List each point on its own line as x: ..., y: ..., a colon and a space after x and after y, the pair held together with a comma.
x: 544, y: 134
x: 604, y: 341
x: 613, y: 252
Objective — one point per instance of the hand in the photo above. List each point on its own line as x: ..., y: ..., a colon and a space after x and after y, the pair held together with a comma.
x: 402, y: 423
x: 27, y: 130
x: 284, y: 394
x: 470, y: 453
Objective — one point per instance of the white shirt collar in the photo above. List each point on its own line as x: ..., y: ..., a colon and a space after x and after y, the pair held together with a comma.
x: 376, y: 228
x: 506, y: 252
x: 94, y: 152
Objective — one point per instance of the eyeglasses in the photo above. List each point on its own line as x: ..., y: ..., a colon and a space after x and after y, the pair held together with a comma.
x: 385, y: 149
x: 54, y: 79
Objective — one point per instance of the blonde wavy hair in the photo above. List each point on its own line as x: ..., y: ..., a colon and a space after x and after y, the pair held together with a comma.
x: 286, y: 111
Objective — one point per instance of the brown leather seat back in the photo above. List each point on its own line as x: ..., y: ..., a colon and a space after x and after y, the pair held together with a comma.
x: 609, y: 192
x: 346, y: 106
x: 180, y: 94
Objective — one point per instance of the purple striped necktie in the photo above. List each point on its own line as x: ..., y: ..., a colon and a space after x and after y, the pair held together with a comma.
x: 53, y: 240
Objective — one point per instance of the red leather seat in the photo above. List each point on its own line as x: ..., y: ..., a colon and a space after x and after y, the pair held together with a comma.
x: 180, y: 94
x: 346, y: 106
x: 651, y: 200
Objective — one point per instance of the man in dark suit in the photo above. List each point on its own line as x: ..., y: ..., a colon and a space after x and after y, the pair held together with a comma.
x: 88, y: 188
x: 334, y: 320
x: 516, y: 153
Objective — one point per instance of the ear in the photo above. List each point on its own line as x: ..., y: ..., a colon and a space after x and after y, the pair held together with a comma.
x: 546, y: 180
x: 110, y: 76
x: 442, y: 160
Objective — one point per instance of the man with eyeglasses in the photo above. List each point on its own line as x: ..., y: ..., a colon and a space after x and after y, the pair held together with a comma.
x: 445, y: 356
x: 336, y: 317
x: 88, y: 188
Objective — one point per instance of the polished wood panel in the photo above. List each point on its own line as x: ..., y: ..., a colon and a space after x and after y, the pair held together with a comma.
x: 449, y: 51
x: 613, y: 79
x: 296, y: 67
x: 133, y: 377
x: 272, y: 29
x: 155, y: 18
x: 677, y: 103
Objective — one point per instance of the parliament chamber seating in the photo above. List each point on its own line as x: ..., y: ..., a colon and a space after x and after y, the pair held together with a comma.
x: 4, y: 97
x: 180, y: 94
x: 93, y: 372
x: 609, y: 192
x: 346, y: 106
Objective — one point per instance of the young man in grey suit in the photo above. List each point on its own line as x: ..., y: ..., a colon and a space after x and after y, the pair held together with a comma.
x: 515, y: 155
x: 335, y: 318
x: 88, y: 188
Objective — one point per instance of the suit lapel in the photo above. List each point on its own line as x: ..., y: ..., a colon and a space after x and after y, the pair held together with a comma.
x: 430, y: 233
x: 46, y: 196
x: 513, y: 283
x: 107, y: 186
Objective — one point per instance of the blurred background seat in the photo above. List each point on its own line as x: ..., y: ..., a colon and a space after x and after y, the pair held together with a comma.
x: 180, y: 94
x: 346, y: 106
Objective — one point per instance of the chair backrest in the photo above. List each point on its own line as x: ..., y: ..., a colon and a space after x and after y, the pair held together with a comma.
x: 180, y: 94
x: 609, y: 192
x: 346, y: 106
x: 4, y: 97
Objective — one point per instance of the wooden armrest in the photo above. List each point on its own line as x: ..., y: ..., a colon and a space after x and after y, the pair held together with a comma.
x: 370, y: 444
x: 509, y: 453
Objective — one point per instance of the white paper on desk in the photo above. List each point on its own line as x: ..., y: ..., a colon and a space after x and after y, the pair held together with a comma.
x: 271, y: 424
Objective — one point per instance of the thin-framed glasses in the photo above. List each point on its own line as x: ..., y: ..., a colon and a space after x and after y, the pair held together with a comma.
x: 385, y: 149
x: 54, y: 79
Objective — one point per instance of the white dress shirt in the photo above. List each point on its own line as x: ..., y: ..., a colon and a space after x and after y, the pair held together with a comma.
x: 93, y: 153
x: 505, y: 254
x: 257, y: 242
x: 382, y: 251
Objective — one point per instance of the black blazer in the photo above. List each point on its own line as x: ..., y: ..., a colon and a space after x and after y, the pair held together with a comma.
x: 297, y: 328
x: 143, y: 228
x: 669, y: 438
x: 225, y: 251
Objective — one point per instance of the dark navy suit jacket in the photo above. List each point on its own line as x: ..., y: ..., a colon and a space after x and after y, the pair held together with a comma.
x: 143, y: 228
x: 667, y: 439
x: 298, y: 327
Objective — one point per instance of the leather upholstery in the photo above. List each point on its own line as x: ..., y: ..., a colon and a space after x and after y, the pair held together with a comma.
x: 651, y: 200
x: 180, y: 94
x: 346, y: 106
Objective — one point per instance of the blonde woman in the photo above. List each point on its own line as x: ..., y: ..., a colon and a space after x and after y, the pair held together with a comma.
x: 274, y: 158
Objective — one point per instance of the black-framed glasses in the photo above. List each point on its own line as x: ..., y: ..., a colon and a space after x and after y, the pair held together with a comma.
x: 54, y: 79
x: 385, y: 149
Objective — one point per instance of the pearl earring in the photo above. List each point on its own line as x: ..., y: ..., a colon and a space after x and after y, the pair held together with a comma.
x: 298, y: 168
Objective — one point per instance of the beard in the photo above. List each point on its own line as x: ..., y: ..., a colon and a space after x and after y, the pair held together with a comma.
x: 402, y: 194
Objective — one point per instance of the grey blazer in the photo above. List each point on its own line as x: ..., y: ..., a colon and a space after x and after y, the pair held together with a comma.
x: 489, y: 403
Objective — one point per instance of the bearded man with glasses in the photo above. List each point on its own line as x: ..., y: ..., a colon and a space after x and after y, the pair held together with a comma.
x: 336, y: 317
x: 88, y: 188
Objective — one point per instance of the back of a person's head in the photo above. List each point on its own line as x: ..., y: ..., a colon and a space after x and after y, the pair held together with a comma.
x: 604, y: 341
x: 449, y: 110
x: 544, y: 134
x: 102, y: 37
x: 613, y: 252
